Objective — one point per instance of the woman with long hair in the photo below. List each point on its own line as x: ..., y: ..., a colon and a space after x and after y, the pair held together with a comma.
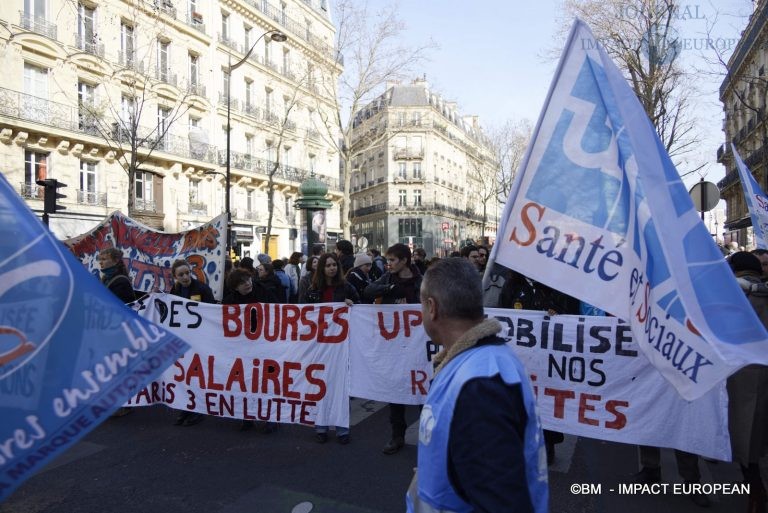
x: 114, y: 274
x: 328, y: 286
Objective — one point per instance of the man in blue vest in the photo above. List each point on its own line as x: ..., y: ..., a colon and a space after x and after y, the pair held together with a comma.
x: 481, y: 448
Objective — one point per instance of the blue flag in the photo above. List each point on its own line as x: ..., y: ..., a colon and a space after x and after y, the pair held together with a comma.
x: 70, y: 351
x: 757, y: 202
x: 598, y: 211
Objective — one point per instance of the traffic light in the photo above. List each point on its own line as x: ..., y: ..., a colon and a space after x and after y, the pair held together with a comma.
x: 50, y: 202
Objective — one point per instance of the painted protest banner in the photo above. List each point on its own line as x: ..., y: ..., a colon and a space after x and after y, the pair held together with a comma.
x: 389, y: 355
x: 148, y: 253
x: 70, y: 351
x: 757, y: 201
x: 279, y: 363
x: 598, y: 211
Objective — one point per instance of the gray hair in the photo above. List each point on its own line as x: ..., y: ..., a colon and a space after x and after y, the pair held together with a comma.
x: 456, y: 287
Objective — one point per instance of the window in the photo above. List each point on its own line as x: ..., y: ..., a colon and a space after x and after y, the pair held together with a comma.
x: 249, y: 200
x: 409, y: 227
x: 225, y: 84
x: 267, y: 52
x: 194, y: 70
x: 286, y: 61
x: 163, y: 124
x: 35, y: 167
x: 401, y: 172
x: 86, y: 99
x: 283, y: 13
x: 268, y: 101
x: 403, y: 195
x: 225, y: 26
x: 194, y: 122
x: 35, y: 8
x: 127, y: 44
x: 247, y: 31
x: 86, y: 26
x: 163, y: 60
x: 417, y: 170
x: 401, y: 120
x: 127, y: 111
x: 143, y: 190
x: 248, y: 94
x: 35, y: 102
x: 416, y: 118
x: 417, y: 197
x: 249, y: 145
x: 194, y: 191
x: 88, y: 189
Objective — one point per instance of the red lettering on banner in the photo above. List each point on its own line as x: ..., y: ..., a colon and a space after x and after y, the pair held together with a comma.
x: 288, y: 379
x: 306, y: 321
x: 339, y: 321
x: 560, y: 397
x: 290, y: 320
x: 196, y: 370
x: 318, y: 382
x: 236, y: 375
x: 204, y: 237
x: 161, y: 276
x: 212, y: 385
x: 198, y: 267
x: 270, y: 372
x: 230, y: 314
x: 418, y: 378
x: 410, y: 318
x: 584, y: 407
x: 389, y: 335
x: 528, y: 224
x: 281, y: 323
x: 619, y: 420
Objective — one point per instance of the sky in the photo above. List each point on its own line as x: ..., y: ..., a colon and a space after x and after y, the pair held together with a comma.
x: 497, y: 58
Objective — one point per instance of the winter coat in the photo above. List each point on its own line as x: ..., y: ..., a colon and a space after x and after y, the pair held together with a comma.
x: 391, y: 287
x: 273, y: 284
x: 340, y: 293
x: 292, y: 271
x: 748, y: 387
x: 259, y: 294
x: 358, y: 279
x: 197, y: 291
x: 121, y: 286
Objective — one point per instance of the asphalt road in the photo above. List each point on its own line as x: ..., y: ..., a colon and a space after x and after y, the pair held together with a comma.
x: 143, y: 463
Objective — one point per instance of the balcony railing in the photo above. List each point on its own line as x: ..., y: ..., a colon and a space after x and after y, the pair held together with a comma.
x: 250, y: 215
x: 129, y: 60
x: 198, y: 208
x: 288, y: 73
x: 270, y: 117
x: 196, y: 88
x: 164, y: 75
x: 88, y: 45
x: 264, y: 166
x: 251, y: 110
x: 144, y: 205
x: 38, y: 25
x: 419, y: 207
x: 31, y: 190
x: 409, y: 153
x: 312, y: 133
x: 92, y: 198
x: 229, y: 42
x: 195, y: 20
x: 166, y: 6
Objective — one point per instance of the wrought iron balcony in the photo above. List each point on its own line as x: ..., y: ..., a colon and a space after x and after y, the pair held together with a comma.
x: 195, y: 20
x: 288, y: 73
x: 229, y: 42
x: 270, y: 117
x: 129, y: 60
x: 89, y: 45
x: 39, y: 110
x: 252, y: 110
x: 196, y: 88
x: 31, y: 190
x: 312, y: 133
x: 198, y: 208
x: 38, y: 25
x: 92, y: 198
x: 166, y: 6
x: 164, y: 75
x: 290, y: 125
x: 408, y: 153
x: 271, y: 65
x: 144, y: 205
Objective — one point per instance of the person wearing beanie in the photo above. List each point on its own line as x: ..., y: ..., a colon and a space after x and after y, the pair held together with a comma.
x: 263, y: 258
x: 247, y: 264
x: 359, y: 276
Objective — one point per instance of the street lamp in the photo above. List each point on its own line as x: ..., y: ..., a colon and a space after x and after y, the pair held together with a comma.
x: 274, y: 35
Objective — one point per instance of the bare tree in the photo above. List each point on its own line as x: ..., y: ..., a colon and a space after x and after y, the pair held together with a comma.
x: 641, y: 36
x: 368, y: 45
x: 138, y: 104
x: 510, y: 142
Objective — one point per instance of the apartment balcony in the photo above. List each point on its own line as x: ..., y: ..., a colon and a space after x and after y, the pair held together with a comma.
x: 313, y: 134
x: 165, y: 76
x: 89, y: 45
x: 31, y: 191
x: 143, y: 205
x: 250, y: 215
x: 26, y: 107
x: 288, y: 73
x: 166, y: 7
x: 408, y: 153
x: 197, y: 208
x: 272, y: 65
x: 38, y: 25
x: 195, y: 20
x: 364, y: 211
x: 148, y: 139
x: 233, y: 103
x: 246, y: 162
x: 128, y: 60
x: 271, y: 118
x: 196, y: 88
x: 229, y: 42
x: 252, y: 110
x: 92, y: 198
x: 290, y: 125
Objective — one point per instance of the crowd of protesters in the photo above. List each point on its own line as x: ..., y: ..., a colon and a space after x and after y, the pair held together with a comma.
x: 395, y: 278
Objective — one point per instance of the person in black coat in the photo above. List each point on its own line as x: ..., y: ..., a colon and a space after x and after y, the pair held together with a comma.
x: 270, y: 281
x: 194, y: 290
x: 114, y: 274
x: 243, y: 289
x: 360, y: 275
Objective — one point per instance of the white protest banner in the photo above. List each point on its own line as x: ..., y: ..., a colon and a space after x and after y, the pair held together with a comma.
x: 148, y: 254
x: 757, y: 201
x: 591, y: 380
x: 278, y: 363
x: 388, y: 354
x: 598, y: 211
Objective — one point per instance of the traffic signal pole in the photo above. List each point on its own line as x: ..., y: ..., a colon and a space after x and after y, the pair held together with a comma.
x: 51, y: 197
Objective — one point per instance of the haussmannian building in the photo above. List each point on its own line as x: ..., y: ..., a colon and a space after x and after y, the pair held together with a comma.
x: 743, y: 94
x: 86, y: 81
x: 421, y: 172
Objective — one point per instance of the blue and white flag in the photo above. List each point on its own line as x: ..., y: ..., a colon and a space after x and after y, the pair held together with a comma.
x: 757, y: 202
x: 598, y: 211
x: 70, y: 351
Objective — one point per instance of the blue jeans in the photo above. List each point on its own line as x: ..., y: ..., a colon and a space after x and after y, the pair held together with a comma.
x: 340, y: 431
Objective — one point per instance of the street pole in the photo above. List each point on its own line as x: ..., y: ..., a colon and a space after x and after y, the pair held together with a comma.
x: 276, y: 36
